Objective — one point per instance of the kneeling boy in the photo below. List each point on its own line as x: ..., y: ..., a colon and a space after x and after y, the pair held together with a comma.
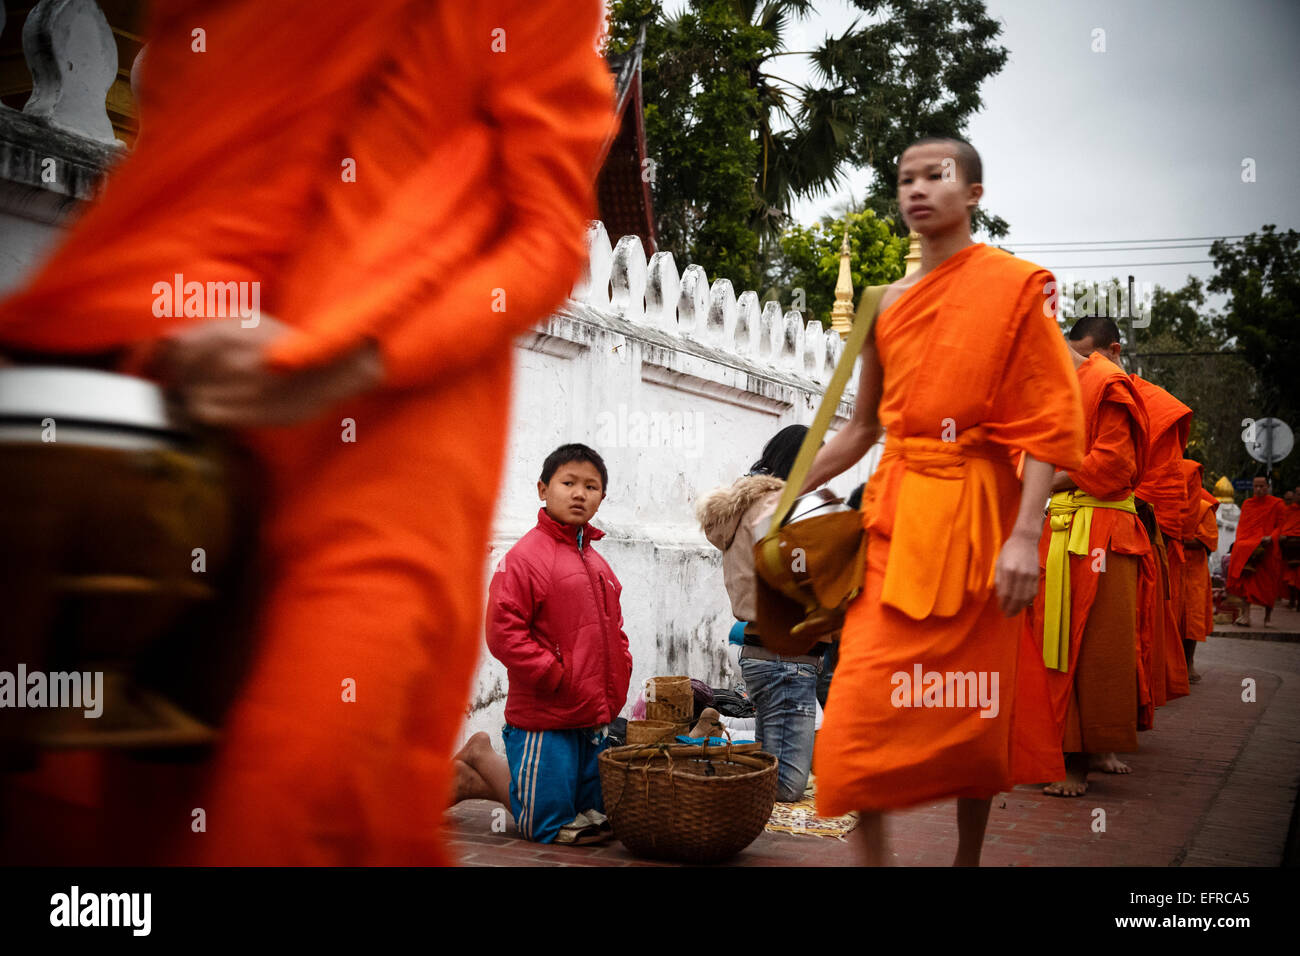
x: 555, y: 621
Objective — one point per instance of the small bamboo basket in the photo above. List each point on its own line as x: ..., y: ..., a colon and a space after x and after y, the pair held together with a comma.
x: 646, y: 732
x: 670, y: 699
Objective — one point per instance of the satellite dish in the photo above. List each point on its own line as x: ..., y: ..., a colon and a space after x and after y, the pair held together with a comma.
x: 1272, y: 440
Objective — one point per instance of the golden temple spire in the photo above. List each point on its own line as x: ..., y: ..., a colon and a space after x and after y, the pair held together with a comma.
x: 913, y: 259
x: 842, y: 310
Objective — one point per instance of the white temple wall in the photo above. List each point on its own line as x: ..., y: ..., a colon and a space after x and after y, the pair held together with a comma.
x: 673, y: 417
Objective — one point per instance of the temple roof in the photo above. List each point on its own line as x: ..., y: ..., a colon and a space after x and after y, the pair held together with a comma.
x: 623, y: 184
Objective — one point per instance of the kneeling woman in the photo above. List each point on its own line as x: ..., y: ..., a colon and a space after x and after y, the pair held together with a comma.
x: 784, y: 689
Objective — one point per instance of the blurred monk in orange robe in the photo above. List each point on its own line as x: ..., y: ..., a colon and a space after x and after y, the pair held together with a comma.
x: 1093, y: 551
x: 1255, y: 567
x: 1165, y: 489
x: 966, y: 370
x: 408, y: 186
x: 1289, y: 540
x: 1200, y: 539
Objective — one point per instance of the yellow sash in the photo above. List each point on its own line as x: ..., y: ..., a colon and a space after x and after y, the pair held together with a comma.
x: 1070, y: 518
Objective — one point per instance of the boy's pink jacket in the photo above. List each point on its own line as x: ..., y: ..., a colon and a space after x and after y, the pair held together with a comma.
x: 555, y: 621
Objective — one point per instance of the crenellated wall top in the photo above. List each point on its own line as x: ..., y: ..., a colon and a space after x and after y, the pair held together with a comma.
x: 655, y: 296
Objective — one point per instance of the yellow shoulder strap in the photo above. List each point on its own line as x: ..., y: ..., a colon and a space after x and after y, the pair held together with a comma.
x: 868, y: 307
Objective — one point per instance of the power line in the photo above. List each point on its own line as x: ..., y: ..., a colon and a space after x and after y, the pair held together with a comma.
x: 1115, y: 249
x: 1199, y: 354
x: 1129, y: 265
x: 1118, y: 242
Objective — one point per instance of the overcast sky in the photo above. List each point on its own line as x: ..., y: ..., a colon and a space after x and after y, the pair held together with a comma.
x: 1143, y: 141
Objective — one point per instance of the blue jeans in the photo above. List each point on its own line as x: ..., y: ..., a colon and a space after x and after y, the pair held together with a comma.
x: 785, y: 697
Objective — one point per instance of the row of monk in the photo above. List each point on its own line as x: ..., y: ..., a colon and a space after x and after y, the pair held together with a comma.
x: 1114, y: 576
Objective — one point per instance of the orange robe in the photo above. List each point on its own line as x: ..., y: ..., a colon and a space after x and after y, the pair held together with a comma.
x: 1164, y: 487
x: 418, y: 174
x: 1260, y: 518
x: 1116, y: 428
x: 1200, y: 538
x: 1290, y: 528
x: 937, y: 510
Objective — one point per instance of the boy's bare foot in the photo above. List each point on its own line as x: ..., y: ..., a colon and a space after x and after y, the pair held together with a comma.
x: 1108, y: 763
x: 468, y: 784
x: 472, y: 752
x: 488, y: 765
x: 1075, y: 783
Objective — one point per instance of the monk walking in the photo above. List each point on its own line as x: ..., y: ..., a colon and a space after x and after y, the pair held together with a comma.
x: 965, y: 370
x: 1255, y: 568
x: 1092, y: 551
x: 1200, y: 539
x: 1289, y: 544
x: 407, y: 184
x: 1164, y: 487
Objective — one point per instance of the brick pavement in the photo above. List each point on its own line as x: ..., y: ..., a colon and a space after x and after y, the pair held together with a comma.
x: 1213, y: 784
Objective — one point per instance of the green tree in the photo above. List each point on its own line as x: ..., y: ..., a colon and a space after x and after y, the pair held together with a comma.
x: 916, y: 72
x: 809, y: 262
x: 1176, y: 343
x: 1261, y: 276
x: 735, y: 146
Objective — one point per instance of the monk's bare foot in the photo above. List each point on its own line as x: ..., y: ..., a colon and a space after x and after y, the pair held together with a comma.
x: 972, y: 820
x: 1108, y: 763
x: 468, y: 784
x: 1075, y: 783
x: 869, y: 835
x: 1193, y: 677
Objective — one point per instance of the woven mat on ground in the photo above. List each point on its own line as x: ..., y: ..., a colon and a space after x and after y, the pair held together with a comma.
x: 801, y: 819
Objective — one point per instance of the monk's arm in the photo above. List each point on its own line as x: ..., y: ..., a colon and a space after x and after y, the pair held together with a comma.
x: 548, y: 99
x: 855, y: 439
x: 1107, y: 468
x: 1016, y: 577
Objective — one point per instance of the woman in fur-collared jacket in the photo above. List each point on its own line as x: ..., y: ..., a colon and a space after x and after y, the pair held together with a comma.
x: 784, y: 689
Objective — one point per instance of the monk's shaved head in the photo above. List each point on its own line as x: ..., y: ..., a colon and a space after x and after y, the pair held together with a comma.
x: 1102, y: 330
x: 968, y: 160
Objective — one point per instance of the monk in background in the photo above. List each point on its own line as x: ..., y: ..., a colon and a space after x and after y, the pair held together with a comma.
x: 1093, y: 551
x: 1289, y: 543
x: 408, y: 185
x: 965, y: 371
x: 1200, y: 539
x: 1255, y: 568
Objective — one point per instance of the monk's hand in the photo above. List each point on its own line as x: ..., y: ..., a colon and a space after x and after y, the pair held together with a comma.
x: 220, y: 371
x: 1016, y: 574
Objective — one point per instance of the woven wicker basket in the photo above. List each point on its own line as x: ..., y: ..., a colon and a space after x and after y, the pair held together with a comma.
x: 645, y: 732
x: 671, y: 699
x: 692, y: 804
